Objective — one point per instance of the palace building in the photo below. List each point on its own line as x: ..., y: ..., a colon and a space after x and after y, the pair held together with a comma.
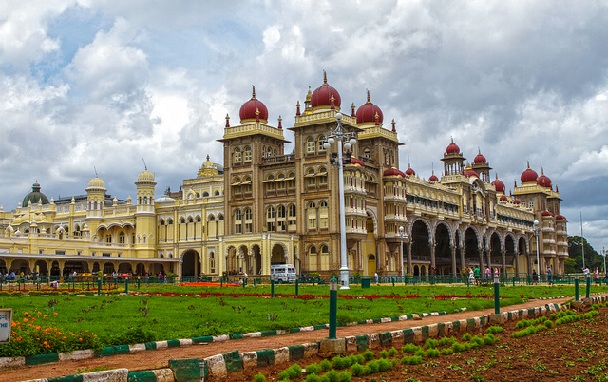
x: 263, y: 206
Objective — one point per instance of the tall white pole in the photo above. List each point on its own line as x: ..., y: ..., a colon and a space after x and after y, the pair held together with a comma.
x: 536, y: 228
x: 582, y: 244
x: 401, y: 235
x: 344, y: 274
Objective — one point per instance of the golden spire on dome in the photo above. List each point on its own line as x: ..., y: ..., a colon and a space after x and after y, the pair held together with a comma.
x: 253, y: 95
x: 309, y: 95
x: 324, y: 77
x: 368, y: 97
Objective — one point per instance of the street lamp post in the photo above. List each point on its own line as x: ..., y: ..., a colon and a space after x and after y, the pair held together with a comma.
x: 604, y: 253
x: 536, y: 228
x: 347, y: 139
x: 402, y: 235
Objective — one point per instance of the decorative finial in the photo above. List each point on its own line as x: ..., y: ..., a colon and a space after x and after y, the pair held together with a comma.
x: 332, y: 103
x: 94, y: 168
x: 368, y: 97
x: 207, y: 157
x: 324, y: 77
x: 298, y: 108
x: 257, y: 115
x: 377, y: 118
x: 145, y: 167
x: 227, y: 120
x: 528, y: 162
x: 253, y: 95
x: 280, y: 125
x: 393, y: 129
x: 352, y: 109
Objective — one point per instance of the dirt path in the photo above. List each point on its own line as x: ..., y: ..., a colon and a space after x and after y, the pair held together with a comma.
x: 157, y: 359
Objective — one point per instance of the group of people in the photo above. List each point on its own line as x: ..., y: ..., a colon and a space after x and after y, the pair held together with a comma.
x: 536, y: 277
x: 475, y: 274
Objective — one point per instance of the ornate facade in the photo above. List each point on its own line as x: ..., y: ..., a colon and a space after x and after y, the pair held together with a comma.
x: 263, y: 206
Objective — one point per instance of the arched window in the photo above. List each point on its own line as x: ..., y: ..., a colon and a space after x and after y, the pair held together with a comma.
x: 238, y: 221
x: 323, y: 214
x: 270, y: 219
x: 248, y: 155
x: 248, y: 220
x: 312, y: 215
x: 320, y: 141
x: 367, y: 153
x: 310, y: 145
x: 237, y: 155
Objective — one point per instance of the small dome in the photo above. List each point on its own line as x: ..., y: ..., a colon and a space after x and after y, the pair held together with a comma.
x: 145, y: 176
x: 433, y: 178
x: 479, y: 158
x: 503, y: 198
x: 499, y: 185
x: 393, y: 172
x: 517, y: 201
x: 546, y: 213
x: 164, y: 199
x: 469, y: 172
x: 410, y: 171
x: 543, y: 180
x: 560, y: 217
x: 369, y: 113
x: 253, y: 110
x: 35, y: 196
x: 529, y: 175
x: 96, y: 184
x: 354, y: 160
x: 452, y: 148
x: 325, y: 95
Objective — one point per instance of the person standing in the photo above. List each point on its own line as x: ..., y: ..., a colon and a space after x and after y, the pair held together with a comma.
x: 477, y: 275
x: 488, y: 273
x: 534, y: 277
x: 549, y: 276
x: 376, y: 277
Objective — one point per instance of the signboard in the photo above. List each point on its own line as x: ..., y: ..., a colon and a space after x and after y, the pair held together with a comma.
x: 5, y: 325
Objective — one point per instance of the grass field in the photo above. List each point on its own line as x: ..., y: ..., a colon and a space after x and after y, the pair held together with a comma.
x: 158, y: 312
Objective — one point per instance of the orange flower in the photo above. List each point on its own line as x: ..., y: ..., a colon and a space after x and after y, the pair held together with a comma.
x: 13, y: 324
x: 19, y: 338
x: 80, y: 339
x: 25, y: 320
x: 55, y: 313
x: 39, y: 313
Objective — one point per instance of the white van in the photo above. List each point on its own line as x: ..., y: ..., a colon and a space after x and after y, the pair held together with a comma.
x: 283, y: 273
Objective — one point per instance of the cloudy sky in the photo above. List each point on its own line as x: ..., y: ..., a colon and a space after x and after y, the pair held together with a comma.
x: 99, y: 85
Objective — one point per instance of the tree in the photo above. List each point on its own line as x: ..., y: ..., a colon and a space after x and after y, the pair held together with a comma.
x: 592, y: 258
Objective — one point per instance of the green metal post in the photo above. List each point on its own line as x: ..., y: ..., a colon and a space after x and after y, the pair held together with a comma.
x: 296, y: 287
x: 333, y: 307
x: 98, y: 286
x: 127, y: 285
x: 577, y: 289
x: 513, y: 280
x: 221, y: 281
x: 271, y: 288
x: 496, y: 295
x: 588, y: 289
x: 393, y: 281
x: 138, y: 283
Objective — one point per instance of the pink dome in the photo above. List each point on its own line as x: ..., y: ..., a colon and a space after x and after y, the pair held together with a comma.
x: 367, y: 113
x: 410, y: 171
x: 433, y: 178
x: 253, y: 110
x: 325, y: 95
x: 479, y: 158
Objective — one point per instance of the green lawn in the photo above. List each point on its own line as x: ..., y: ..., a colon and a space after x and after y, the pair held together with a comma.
x: 161, y: 312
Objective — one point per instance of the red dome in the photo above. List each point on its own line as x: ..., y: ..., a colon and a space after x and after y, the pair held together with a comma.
x: 479, y: 158
x: 517, y: 201
x: 410, y: 171
x: 560, y: 217
x: 367, y: 113
x: 529, y: 175
x: 433, y: 178
x: 322, y: 96
x: 499, y: 185
x: 354, y: 160
x: 543, y: 180
x: 546, y: 213
x: 452, y: 148
x: 253, y: 110
x: 503, y: 198
x: 469, y: 172
x: 393, y: 172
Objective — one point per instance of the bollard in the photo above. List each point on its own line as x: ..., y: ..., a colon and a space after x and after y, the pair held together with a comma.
x: 513, y: 280
x: 221, y: 281
x: 588, y: 289
x: 296, y: 287
x: 496, y: 295
x: 393, y: 281
x: 138, y: 283
x: 127, y: 285
x: 576, y: 289
x: 271, y: 288
x: 333, y: 307
x: 98, y: 286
